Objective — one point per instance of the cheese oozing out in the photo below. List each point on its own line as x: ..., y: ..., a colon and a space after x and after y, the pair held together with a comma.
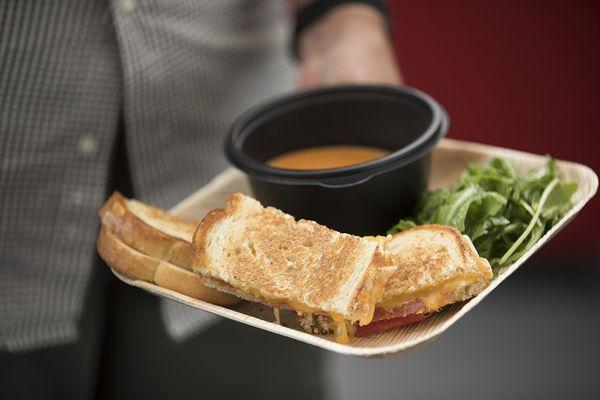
x: 433, y: 297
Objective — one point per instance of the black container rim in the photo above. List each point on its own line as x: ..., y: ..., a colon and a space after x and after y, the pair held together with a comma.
x: 333, y: 177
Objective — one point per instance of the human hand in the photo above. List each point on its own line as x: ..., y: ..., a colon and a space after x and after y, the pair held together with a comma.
x: 348, y: 45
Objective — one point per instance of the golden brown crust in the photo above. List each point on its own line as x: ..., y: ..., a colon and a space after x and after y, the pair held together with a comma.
x: 200, y: 240
x: 133, y: 231
x: 181, y: 254
x: 115, y: 198
x: 135, y: 265
x: 427, y: 258
x: 187, y: 283
x: 120, y: 258
x: 268, y: 255
x: 431, y: 256
x: 139, y: 251
x: 480, y: 263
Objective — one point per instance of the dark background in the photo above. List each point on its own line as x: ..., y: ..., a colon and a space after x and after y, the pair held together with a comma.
x: 519, y: 74
x: 524, y: 75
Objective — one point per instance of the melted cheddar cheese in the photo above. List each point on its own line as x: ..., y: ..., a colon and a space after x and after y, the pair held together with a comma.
x: 342, y: 327
x: 433, y: 297
x: 339, y: 328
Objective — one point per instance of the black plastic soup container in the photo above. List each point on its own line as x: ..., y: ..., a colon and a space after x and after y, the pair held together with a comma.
x: 363, y: 199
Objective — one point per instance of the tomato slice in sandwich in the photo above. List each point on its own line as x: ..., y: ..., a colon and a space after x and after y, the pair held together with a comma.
x: 384, y: 324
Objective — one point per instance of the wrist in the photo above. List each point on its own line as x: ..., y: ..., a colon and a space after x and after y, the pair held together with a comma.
x: 343, y: 25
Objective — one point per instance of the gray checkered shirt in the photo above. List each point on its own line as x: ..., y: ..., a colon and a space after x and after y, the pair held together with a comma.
x: 177, y: 71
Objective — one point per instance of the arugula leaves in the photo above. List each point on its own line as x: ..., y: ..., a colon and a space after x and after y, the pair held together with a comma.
x: 503, y: 213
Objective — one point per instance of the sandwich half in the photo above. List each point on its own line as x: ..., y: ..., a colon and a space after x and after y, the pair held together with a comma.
x: 264, y: 255
x: 144, y: 243
x: 436, y: 266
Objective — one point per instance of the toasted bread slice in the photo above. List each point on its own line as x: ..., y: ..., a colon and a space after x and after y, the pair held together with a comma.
x: 145, y: 243
x: 267, y: 255
x: 150, y: 230
x: 437, y: 265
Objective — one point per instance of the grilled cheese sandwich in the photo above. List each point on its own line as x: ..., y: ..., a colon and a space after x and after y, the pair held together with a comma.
x: 301, y: 265
x: 436, y: 266
x: 144, y: 243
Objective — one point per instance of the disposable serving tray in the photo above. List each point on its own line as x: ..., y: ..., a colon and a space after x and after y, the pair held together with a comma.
x: 449, y: 159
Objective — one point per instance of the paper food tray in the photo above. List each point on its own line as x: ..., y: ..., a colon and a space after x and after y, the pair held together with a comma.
x: 449, y: 159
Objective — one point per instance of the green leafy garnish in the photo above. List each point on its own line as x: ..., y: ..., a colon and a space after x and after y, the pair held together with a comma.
x: 503, y: 213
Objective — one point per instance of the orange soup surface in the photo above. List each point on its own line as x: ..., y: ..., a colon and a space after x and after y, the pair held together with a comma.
x: 325, y: 157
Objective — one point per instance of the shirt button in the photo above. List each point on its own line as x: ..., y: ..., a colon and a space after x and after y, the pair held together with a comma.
x: 77, y: 197
x: 127, y: 6
x: 88, y: 145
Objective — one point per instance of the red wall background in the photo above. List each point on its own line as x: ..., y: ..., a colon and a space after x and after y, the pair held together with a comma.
x: 518, y: 74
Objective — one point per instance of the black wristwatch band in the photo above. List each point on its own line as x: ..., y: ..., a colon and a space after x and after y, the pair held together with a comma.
x: 310, y: 13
